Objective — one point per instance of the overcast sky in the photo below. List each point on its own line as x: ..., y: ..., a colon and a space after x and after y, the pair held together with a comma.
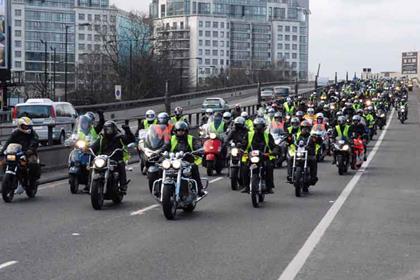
x: 348, y: 35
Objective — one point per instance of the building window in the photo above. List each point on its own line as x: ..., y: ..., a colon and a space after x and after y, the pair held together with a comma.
x: 81, y: 36
x: 81, y: 28
x: 104, y: 18
x: 208, y: 24
x: 81, y: 16
x: 200, y: 42
x: 18, y: 54
x: 287, y: 28
x: 162, y: 10
x: 222, y: 44
x: 294, y: 38
x: 280, y: 46
x: 18, y: 64
x: 287, y: 55
x: 200, y: 52
x: 222, y: 25
x: 181, y: 25
x: 215, y: 44
x: 222, y: 62
x: 294, y: 29
x: 280, y: 28
x: 287, y: 38
x: 18, y: 22
x: 18, y: 44
x: 208, y: 33
x: 97, y: 17
x: 227, y: 25
x: 89, y: 37
x: 215, y: 34
x: 174, y: 25
x: 18, y: 33
x: 222, y: 34
x: 18, y: 13
x: 227, y: 44
x: 81, y: 47
x: 97, y: 47
x: 222, y: 53
x: 207, y: 61
x: 89, y: 17
x: 215, y: 24
x: 280, y: 37
x: 215, y: 61
x: 200, y: 33
x: 215, y: 52
x: 294, y: 47
x: 200, y: 23
x: 294, y: 55
x: 207, y: 52
x: 287, y: 46
x: 208, y: 43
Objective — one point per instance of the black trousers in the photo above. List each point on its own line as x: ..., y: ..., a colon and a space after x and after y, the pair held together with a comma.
x: 122, y: 172
x: 312, y: 163
x: 269, y: 174
x: 195, y: 174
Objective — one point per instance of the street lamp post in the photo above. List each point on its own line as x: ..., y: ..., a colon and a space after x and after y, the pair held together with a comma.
x: 45, y: 88
x: 66, y: 42
x: 54, y: 69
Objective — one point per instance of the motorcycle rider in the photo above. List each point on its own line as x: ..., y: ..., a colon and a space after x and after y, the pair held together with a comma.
x: 28, y: 139
x: 342, y: 131
x: 359, y: 130
x: 288, y: 107
x: 238, y: 133
x: 277, y: 122
x: 165, y: 126
x: 181, y: 141
x: 294, y: 128
x: 227, y: 119
x: 236, y: 111
x: 248, y: 122
x: 95, y: 129
x: 217, y: 126
x: 313, y: 143
x: 110, y: 140
x: 300, y: 115
x: 310, y: 115
x: 207, y: 117
x: 261, y: 140
x: 150, y: 118
x: 177, y: 117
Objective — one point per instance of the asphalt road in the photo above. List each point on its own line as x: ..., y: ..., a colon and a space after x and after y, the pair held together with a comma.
x: 373, y: 236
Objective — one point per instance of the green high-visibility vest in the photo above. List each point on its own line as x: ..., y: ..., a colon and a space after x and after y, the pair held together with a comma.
x: 93, y: 134
x: 341, y: 133
x: 290, y: 128
x: 218, y: 130
x: 250, y: 125
x: 147, y: 125
x: 174, y: 144
x: 251, y: 135
x: 288, y: 109
x: 126, y: 154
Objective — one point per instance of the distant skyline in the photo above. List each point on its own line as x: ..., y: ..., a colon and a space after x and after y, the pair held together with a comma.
x: 348, y: 35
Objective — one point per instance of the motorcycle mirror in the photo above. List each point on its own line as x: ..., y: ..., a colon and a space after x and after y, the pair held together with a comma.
x: 131, y: 145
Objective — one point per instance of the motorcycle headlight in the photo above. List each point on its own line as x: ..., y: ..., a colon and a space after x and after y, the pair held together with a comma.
x: 166, y: 164
x: 299, y: 154
x: 100, y: 163
x: 11, y: 157
x: 176, y: 164
x: 383, y: 116
x: 81, y: 144
x: 213, y: 135
x: 235, y: 152
x: 368, y: 103
x: 255, y: 159
x: 346, y: 147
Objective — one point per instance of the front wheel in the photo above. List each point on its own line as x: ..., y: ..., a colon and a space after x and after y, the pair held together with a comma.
x: 255, y: 196
x: 402, y: 120
x: 341, y: 165
x: 210, y: 168
x: 8, y: 187
x: 168, y: 202
x: 74, y: 183
x: 97, y: 195
x: 234, y: 178
x: 298, y: 181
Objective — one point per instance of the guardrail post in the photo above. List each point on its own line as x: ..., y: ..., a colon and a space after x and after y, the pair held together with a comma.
x: 197, y: 119
x: 190, y: 118
x: 126, y: 122
x: 296, y: 87
x: 259, y: 99
x: 138, y: 123
x: 167, y: 100
x: 50, y: 134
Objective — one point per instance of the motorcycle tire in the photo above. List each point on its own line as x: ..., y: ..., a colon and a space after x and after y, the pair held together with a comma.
x: 97, y: 195
x: 255, y: 196
x: 298, y: 178
x: 74, y: 184
x: 32, y: 190
x: 234, y: 179
x: 8, y: 187
x: 118, y: 197
x: 210, y: 168
x: 168, y: 202
x: 402, y: 121
x: 341, y: 165
x: 190, y: 208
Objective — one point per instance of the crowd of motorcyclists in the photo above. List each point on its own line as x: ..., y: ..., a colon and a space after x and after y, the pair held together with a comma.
x: 299, y: 130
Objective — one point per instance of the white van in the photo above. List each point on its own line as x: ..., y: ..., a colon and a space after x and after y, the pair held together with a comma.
x: 44, y: 111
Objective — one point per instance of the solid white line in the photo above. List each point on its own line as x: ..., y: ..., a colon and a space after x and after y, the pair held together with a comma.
x: 215, y: 180
x: 6, y: 264
x: 299, y: 260
x: 144, y: 210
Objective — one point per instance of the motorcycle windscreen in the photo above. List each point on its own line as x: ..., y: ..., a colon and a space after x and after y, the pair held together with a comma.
x: 277, y: 132
x: 155, y: 137
x: 83, y: 124
x: 13, y: 148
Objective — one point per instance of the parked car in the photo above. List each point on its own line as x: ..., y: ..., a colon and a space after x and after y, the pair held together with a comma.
x: 215, y: 103
x: 281, y: 91
x: 267, y: 93
x: 45, y: 112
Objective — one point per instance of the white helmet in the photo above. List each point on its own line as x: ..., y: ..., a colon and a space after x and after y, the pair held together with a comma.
x: 209, y: 111
x: 311, y: 111
x: 24, y: 124
x: 150, y: 115
x: 244, y: 115
x: 227, y: 116
x: 320, y: 116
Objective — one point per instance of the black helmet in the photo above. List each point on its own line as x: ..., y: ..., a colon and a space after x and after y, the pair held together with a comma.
x: 181, y: 126
x: 259, y: 124
x: 110, y: 129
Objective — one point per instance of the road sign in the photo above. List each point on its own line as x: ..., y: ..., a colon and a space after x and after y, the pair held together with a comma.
x: 409, y: 63
x: 118, y: 92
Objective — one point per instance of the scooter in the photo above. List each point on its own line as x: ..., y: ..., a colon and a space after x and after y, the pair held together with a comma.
x: 358, y: 153
x: 213, y: 158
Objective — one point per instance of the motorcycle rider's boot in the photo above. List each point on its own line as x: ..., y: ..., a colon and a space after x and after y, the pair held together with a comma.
x: 289, y: 179
x: 245, y: 190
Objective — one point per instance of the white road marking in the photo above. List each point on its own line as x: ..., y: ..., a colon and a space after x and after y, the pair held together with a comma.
x: 6, y: 264
x: 144, y: 210
x: 299, y: 260
x: 215, y: 180
x: 75, y: 234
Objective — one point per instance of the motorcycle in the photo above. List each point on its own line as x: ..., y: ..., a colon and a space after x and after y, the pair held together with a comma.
x: 213, y: 158
x: 300, y: 172
x: 151, y: 145
x: 358, y: 153
x: 402, y: 114
x: 258, y: 184
x: 16, y: 176
x: 324, y: 149
x: 342, y: 156
x: 235, y: 167
x: 279, y: 139
x: 176, y: 189
x: 105, y: 183
x: 79, y: 163
x: 380, y: 119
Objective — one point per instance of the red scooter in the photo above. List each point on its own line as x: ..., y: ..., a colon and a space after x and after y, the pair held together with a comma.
x: 358, y: 153
x: 213, y: 158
